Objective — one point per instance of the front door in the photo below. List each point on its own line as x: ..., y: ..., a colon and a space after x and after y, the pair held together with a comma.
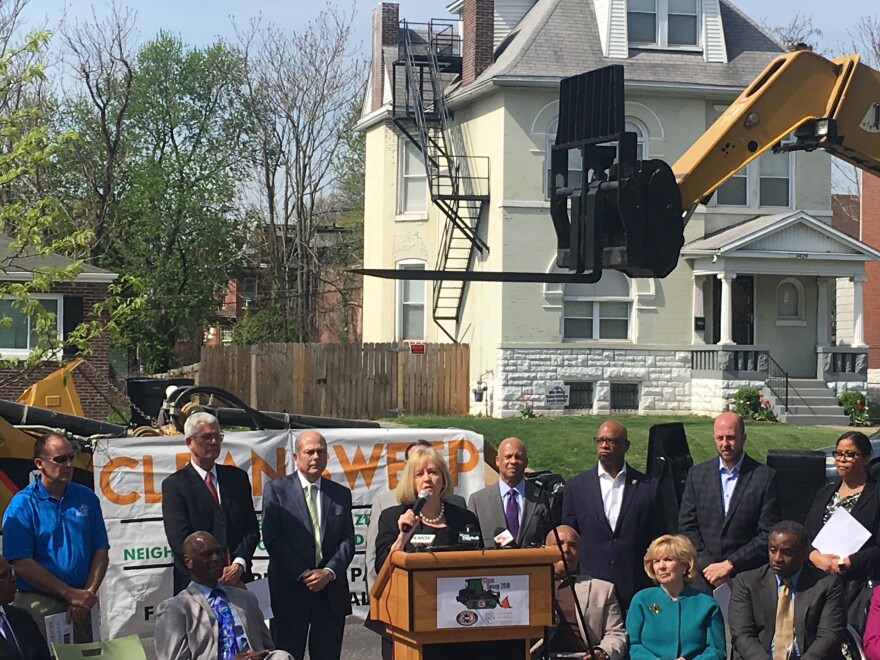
x: 742, y: 309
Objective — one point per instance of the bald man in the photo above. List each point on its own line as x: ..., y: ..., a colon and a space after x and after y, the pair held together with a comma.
x: 513, y: 504
x: 728, y: 507
x: 617, y: 512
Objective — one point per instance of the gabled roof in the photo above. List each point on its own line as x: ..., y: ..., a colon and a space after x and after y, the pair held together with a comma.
x: 559, y: 38
x: 19, y: 267
x: 782, y: 234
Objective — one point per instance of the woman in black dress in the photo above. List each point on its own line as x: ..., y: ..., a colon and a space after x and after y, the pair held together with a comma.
x: 859, y: 494
x: 425, y: 470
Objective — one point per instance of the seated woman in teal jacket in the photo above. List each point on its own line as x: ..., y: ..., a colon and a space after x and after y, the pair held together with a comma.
x: 674, y: 621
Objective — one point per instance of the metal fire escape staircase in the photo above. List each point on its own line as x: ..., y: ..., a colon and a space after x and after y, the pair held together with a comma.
x: 429, y: 56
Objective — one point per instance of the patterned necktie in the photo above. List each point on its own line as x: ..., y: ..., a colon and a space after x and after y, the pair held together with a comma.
x: 225, y: 625
x: 511, y: 514
x: 783, y: 641
x: 6, y: 629
x: 209, y: 482
x: 316, y: 527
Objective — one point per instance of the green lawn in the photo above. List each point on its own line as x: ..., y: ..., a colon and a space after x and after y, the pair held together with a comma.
x: 564, y: 444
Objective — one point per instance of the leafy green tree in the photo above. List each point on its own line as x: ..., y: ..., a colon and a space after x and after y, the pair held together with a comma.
x: 178, y: 232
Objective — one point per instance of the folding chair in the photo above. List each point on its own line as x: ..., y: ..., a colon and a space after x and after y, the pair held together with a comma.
x: 124, y: 648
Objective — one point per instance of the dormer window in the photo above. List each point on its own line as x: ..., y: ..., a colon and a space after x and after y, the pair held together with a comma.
x: 663, y: 23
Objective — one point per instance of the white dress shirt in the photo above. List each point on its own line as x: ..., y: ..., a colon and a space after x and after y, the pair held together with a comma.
x: 612, y: 493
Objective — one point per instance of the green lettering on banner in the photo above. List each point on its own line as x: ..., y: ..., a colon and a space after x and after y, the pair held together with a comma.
x: 358, y: 539
x: 144, y: 553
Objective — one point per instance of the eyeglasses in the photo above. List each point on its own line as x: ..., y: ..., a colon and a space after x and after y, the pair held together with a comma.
x: 61, y: 459
x: 611, y: 442
x: 208, y: 437
x: 845, y: 455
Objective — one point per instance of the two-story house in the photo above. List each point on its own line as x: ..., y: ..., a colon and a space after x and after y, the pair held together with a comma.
x: 459, y: 118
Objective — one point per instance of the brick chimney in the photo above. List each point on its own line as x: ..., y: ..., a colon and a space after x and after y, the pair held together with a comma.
x: 385, y: 33
x: 870, y: 235
x: 477, y: 33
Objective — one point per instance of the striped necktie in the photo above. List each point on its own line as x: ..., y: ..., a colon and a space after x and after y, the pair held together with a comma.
x: 316, y: 525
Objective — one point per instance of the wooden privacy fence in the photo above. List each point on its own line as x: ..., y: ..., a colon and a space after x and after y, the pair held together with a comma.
x: 354, y: 381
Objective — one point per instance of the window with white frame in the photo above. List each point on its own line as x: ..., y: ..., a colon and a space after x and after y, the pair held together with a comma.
x: 411, y: 304
x: 599, y: 311
x: 766, y: 181
x: 790, y: 303
x: 413, y: 179
x: 20, y: 334
x: 664, y: 23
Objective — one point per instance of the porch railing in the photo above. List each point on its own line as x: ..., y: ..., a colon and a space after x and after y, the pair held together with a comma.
x: 777, y: 381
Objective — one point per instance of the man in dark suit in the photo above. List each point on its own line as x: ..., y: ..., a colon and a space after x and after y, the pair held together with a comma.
x: 20, y: 638
x: 728, y: 507
x: 207, y: 497
x: 513, y: 504
x: 309, y: 533
x: 787, y: 608
x: 617, y: 512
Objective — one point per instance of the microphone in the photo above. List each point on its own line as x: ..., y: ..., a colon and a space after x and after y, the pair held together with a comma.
x: 469, y: 536
x: 417, y: 508
x: 504, y: 539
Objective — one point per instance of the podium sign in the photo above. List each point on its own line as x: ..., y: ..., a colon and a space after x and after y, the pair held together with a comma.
x: 473, y: 601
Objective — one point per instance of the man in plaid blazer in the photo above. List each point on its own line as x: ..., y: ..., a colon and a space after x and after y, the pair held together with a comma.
x: 729, y: 505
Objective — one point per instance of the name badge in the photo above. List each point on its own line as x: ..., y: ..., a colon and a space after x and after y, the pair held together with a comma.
x: 422, y: 539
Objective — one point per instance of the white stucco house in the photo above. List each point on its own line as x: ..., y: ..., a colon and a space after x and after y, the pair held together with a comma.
x: 765, y: 288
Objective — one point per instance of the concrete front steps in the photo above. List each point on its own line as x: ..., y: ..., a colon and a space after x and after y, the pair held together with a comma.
x: 810, y: 403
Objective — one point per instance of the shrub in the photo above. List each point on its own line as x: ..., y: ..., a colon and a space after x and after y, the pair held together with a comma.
x: 749, y: 403
x: 856, y: 406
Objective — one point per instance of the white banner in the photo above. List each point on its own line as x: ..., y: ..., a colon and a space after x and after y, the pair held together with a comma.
x: 128, y: 480
x: 478, y: 601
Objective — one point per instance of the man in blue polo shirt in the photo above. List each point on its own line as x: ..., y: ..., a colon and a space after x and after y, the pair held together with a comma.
x: 55, y: 538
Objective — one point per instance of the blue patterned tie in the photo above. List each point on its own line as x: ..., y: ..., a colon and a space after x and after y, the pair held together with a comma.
x: 225, y: 624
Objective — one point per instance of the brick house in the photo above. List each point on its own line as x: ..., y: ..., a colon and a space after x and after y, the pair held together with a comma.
x: 870, y: 234
x: 459, y: 118
x: 72, y: 303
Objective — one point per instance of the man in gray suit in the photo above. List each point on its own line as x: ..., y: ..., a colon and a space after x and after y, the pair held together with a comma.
x: 513, y: 504
x: 787, y: 608
x: 207, y: 618
x: 386, y: 500
x: 728, y: 506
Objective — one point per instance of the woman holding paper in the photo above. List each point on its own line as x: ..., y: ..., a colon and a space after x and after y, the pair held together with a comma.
x: 858, y: 494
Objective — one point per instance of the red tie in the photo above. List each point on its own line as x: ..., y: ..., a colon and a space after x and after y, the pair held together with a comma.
x: 209, y: 482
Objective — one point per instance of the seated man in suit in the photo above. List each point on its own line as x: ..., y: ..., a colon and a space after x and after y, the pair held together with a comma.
x: 513, y: 504
x: 386, y: 500
x: 604, y: 623
x: 208, y: 619
x: 20, y: 638
x: 787, y: 609
x: 728, y: 506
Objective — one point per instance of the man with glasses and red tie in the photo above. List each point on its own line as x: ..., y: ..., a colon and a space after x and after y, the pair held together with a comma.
x: 210, y: 497
x: 54, y: 537
x: 617, y: 511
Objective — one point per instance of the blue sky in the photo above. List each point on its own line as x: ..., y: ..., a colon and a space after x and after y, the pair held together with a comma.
x: 200, y: 21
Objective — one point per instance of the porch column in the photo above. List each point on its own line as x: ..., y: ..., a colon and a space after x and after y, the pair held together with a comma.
x: 726, y: 335
x: 858, y: 340
x: 822, y: 314
x: 699, y: 313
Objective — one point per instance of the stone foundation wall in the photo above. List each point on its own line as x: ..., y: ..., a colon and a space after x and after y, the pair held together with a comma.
x: 525, y: 375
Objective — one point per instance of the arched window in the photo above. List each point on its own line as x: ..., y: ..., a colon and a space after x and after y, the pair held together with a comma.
x: 790, y: 302
x: 600, y: 311
x: 633, y: 127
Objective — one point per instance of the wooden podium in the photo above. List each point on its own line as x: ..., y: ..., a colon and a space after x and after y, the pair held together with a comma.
x: 405, y: 599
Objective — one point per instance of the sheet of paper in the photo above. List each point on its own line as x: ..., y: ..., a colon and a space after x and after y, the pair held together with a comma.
x: 722, y: 597
x: 842, y: 535
x: 260, y: 589
x: 58, y: 629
